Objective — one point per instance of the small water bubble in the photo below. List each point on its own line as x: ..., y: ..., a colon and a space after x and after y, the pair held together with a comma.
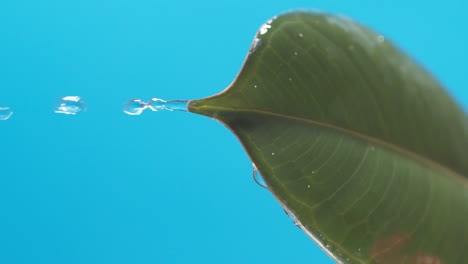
x: 272, y: 153
x: 301, y: 35
x: 135, y: 107
x: 295, y: 53
x: 380, y: 38
x: 308, y: 186
x: 70, y: 105
x: 5, y: 113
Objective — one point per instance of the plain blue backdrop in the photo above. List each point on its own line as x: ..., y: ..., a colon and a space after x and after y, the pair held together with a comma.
x: 166, y: 187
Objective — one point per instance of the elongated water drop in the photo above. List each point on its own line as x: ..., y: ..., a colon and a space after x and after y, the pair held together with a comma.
x: 70, y: 105
x: 5, y: 113
x: 177, y: 105
x: 137, y: 106
x: 258, y: 178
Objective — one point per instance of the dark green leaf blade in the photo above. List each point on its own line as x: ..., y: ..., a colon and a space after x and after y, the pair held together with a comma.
x: 357, y: 141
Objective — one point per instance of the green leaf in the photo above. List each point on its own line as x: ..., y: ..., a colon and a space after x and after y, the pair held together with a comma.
x: 356, y: 141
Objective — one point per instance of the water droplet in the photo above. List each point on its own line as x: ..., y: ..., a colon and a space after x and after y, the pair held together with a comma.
x: 157, y: 104
x: 256, y: 43
x: 70, y: 105
x: 135, y: 107
x: 272, y: 153
x: 5, y: 113
x: 308, y: 186
x: 292, y: 217
x: 380, y: 38
x: 258, y: 178
x: 295, y: 53
x: 301, y: 35
x: 290, y: 79
x: 255, y: 86
x: 265, y: 27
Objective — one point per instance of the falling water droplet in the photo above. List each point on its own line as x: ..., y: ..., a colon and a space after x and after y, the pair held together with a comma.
x: 135, y: 107
x: 5, y: 113
x: 258, y: 178
x: 70, y: 105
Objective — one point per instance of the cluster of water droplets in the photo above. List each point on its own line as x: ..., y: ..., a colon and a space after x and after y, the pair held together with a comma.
x: 137, y: 106
x: 72, y: 105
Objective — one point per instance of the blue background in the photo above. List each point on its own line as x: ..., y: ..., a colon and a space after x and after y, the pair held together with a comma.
x: 165, y: 187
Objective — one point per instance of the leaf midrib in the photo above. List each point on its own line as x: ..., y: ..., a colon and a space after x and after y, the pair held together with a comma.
x: 396, y: 148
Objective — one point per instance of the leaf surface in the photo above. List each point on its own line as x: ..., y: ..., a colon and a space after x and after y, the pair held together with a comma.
x: 357, y: 142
